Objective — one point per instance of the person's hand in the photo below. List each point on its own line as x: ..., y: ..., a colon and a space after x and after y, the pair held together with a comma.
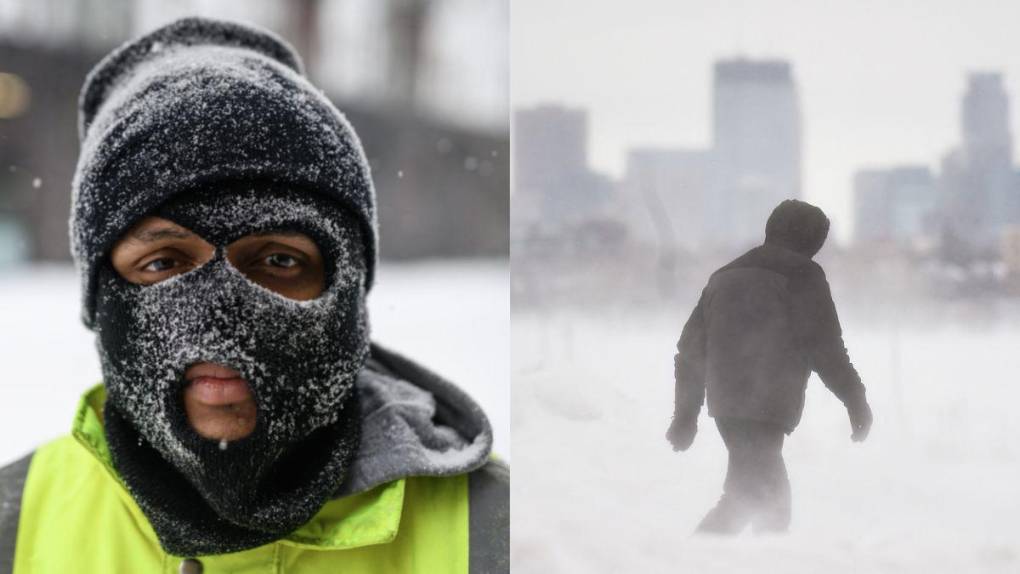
x: 860, y: 421
x: 681, y: 432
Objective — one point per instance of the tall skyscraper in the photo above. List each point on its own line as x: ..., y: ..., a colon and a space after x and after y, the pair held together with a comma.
x: 554, y: 185
x: 550, y: 143
x: 980, y: 196
x: 984, y: 122
x: 756, y: 143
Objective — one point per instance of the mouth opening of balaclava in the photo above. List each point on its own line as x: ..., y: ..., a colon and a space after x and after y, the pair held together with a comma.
x: 300, y: 359
x: 798, y: 226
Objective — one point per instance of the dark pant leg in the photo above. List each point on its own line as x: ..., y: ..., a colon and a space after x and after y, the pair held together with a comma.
x: 756, y: 488
x: 772, y: 512
x: 733, y: 511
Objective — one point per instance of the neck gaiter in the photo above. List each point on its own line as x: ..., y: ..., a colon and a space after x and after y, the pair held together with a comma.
x: 300, y: 359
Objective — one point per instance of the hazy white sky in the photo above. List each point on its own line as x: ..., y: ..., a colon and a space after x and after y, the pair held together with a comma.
x: 880, y: 80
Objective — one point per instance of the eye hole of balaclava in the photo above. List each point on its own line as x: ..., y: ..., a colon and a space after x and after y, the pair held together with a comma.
x: 223, y: 215
x: 285, y: 261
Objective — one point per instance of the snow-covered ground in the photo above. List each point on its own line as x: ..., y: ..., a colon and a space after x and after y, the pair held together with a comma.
x: 451, y: 316
x: 936, y: 488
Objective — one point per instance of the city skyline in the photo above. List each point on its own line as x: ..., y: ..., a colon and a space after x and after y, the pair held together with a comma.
x: 970, y: 202
x: 876, y: 91
x: 683, y: 199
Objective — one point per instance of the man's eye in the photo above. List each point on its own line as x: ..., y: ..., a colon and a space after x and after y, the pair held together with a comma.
x: 281, y: 260
x: 161, y: 264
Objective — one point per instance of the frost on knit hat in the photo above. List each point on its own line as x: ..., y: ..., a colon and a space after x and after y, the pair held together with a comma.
x: 195, y: 103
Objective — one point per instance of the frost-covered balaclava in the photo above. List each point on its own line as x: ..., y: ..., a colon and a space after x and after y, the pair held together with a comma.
x: 212, y: 125
x: 300, y: 359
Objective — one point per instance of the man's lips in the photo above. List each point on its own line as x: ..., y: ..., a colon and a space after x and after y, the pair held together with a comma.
x: 216, y: 385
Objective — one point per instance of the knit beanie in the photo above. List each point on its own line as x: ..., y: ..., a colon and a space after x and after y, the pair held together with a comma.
x: 196, y: 103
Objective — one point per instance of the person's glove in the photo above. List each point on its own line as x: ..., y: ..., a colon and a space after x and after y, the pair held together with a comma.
x: 860, y: 421
x: 681, y: 432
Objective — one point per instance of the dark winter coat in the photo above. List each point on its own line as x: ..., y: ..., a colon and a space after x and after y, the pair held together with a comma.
x: 762, y: 324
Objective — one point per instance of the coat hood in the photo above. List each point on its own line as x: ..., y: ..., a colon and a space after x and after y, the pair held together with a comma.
x: 414, y: 423
x: 798, y: 226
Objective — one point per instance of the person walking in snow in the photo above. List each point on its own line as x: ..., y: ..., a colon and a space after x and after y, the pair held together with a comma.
x: 763, y: 323
x: 224, y: 229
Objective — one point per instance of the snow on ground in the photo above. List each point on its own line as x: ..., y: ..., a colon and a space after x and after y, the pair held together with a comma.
x: 453, y: 317
x: 936, y: 488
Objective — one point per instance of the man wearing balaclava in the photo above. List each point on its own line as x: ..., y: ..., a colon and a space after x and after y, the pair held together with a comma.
x: 763, y: 323
x: 224, y: 228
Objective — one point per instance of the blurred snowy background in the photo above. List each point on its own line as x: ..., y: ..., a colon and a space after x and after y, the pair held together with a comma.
x: 651, y: 139
x: 934, y: 488
x: 424, y: 82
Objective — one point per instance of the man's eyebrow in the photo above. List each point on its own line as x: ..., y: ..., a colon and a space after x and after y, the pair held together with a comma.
x: 151, y: 235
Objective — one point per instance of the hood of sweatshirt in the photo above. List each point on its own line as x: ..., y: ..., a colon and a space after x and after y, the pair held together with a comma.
x: 414, y: 423
x: 797, y: 226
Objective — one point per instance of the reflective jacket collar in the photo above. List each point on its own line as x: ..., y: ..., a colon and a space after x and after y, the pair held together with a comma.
x: 364, y: 519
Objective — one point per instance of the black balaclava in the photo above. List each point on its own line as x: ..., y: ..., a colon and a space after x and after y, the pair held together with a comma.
x: 798, y: 226
x: 213, y: 125
x: 300, y: 359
